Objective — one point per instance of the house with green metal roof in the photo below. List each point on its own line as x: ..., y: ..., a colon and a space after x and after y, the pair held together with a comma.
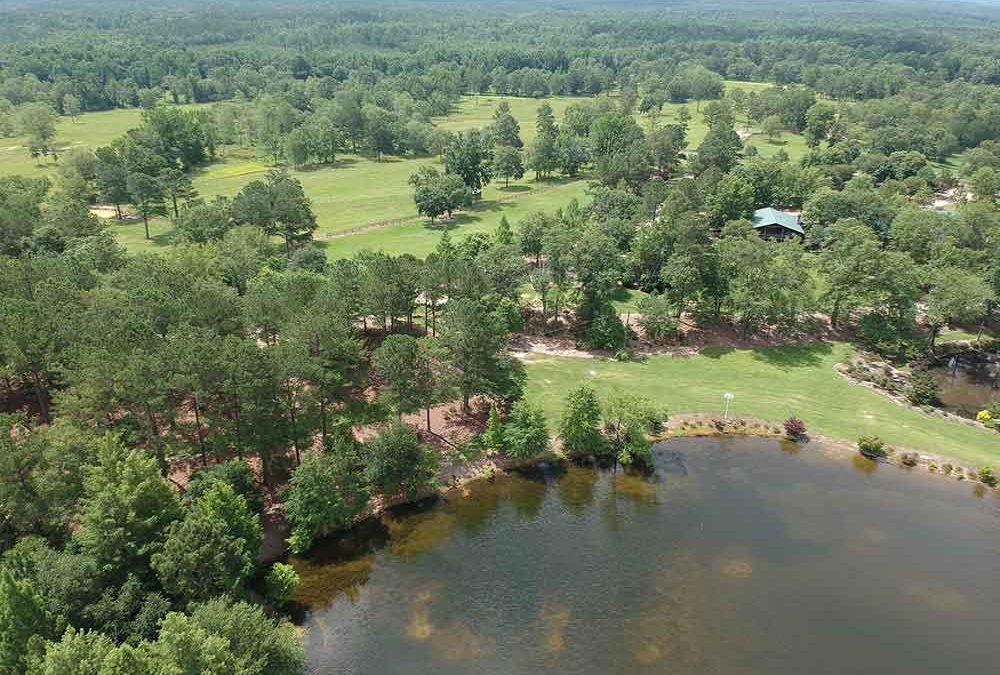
x: 774, y: 224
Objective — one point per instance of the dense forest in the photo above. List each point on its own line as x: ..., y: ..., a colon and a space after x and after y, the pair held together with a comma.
x: 163, y: 408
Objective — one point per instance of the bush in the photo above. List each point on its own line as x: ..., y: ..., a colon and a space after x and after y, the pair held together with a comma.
x: 310, y: 258
x: 396, y: 459
x: 628, y: 419
x: 660, y: 317
x: 872, y: 447
x: 526, y: 434
x: 923, y: 389
x: 281, y: 583
x: 325, y: 493
x: 492, y: 436
x: 987, y: 477
x: 237, y: 474
x: 794, y: 428
x: 579, y: 426
x: 606, y: 331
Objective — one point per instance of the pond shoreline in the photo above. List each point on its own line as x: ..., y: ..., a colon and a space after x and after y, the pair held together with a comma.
x: 690, y: 425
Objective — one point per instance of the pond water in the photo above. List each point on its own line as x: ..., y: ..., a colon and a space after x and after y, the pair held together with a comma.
x: 968, y: 386
x: 738, y: 556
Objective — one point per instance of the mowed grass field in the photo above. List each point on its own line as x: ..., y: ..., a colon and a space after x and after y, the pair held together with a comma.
x: 772, y: 383
x: 90, y: 131
x: 361, y: 203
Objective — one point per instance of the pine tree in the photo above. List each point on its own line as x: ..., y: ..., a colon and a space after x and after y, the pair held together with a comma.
x: 492, y: 437
x: 505, y: 129
x: 504, y: 234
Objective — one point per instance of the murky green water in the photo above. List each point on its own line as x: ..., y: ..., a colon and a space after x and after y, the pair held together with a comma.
x: 741, y: 556
x: 969, y: 387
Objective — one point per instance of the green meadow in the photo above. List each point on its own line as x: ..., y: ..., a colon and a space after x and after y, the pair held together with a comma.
x: 361, y: 203
x: 771, y: 383
x: 87, y: 131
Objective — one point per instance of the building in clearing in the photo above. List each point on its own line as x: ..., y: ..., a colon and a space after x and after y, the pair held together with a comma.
x: 774, y: 224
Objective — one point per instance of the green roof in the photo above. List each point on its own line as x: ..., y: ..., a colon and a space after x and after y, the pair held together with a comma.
x: 769, y: 216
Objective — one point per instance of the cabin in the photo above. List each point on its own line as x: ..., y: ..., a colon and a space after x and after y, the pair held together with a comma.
x: 774, y: 224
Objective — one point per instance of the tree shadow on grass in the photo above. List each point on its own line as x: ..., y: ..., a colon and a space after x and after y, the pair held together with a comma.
x: 473, y: 215
x: 515, y: 188
x: 785, y: 357
x: 165, y: 238
x: 716, y: 352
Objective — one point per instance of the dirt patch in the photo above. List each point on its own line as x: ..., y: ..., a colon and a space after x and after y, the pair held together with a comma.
x: 108, y: 212
x: 522, y: 345
x: 691, y: 340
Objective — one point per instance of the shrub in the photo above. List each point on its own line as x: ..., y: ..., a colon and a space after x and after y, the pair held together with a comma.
x: 794, y: 428
x: 606, y: 331
x: 872, y: 447
x: 987, y: 477
x: 397, y: 459
x: 923, y: 389
x: 325, y: 493
x: 627, y: 421
x: 236, y: 473
x: 526, y: 434
x: 984, y: 416
x: 492, y: 436
x: 579, y: 426
x: 659, y: 317
x: 281, y: 583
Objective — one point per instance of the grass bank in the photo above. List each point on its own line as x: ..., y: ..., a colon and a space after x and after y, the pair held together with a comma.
x: 771, y: 383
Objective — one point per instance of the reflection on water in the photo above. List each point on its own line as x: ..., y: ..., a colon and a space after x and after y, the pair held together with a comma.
x: 967, y: 386
x: 576, y: 488
x: 736, y: 556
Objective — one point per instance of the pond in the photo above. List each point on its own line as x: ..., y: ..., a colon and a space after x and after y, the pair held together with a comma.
x: 968, y: 385
x: 739, y: 555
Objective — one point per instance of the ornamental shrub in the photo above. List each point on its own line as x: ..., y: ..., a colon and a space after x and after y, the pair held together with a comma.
x: 794, y: 428
x: 872, y: 447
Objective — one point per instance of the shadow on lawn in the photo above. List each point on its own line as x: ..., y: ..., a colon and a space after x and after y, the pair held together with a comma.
x: 809, y: 354
x: 465, y: 217
x: 716, y: 352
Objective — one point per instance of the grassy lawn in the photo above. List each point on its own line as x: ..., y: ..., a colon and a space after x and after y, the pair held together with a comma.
x: 90, y: 130
x: 772, y: 384
x: 418, y: 237
x: 962, y: 335
x: 476, y: 111
x: 627, y: 300
x: 358, y: 193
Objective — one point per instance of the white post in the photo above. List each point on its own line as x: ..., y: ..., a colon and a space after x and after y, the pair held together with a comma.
x: 728, y: 397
